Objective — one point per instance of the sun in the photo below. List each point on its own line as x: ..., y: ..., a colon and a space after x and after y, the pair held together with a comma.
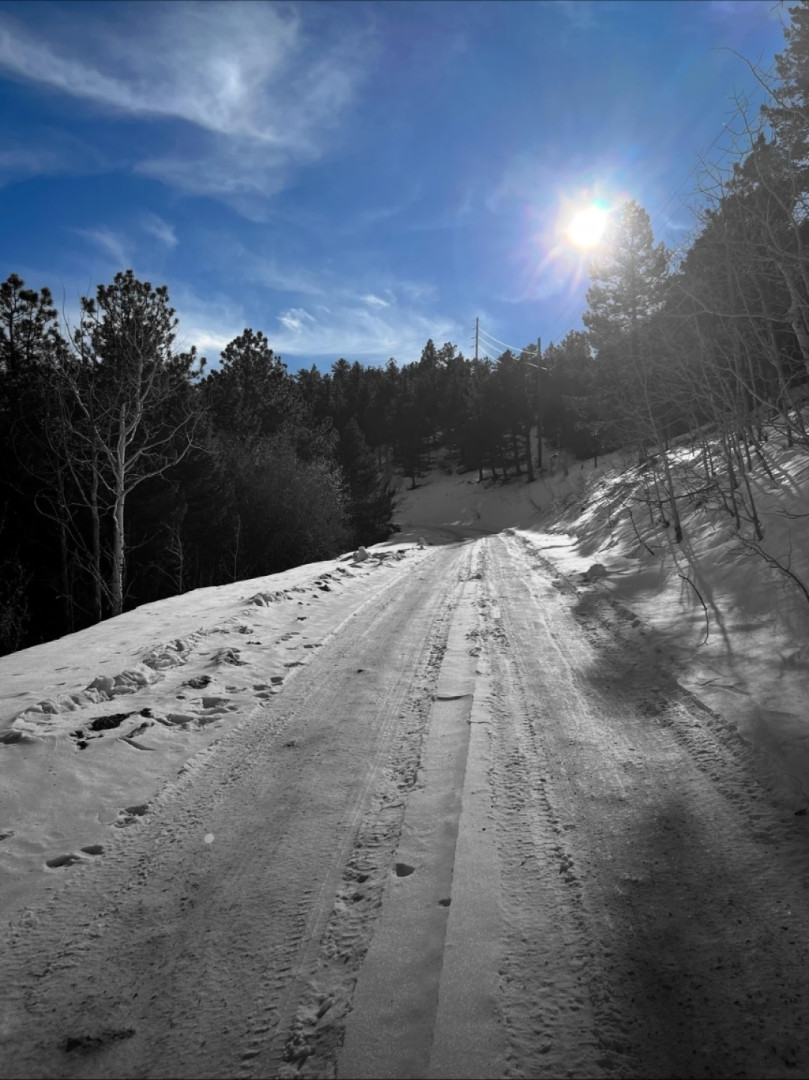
x: 587, y: 226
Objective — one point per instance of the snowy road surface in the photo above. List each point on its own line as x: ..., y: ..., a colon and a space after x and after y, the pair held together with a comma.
x: 483, y: 833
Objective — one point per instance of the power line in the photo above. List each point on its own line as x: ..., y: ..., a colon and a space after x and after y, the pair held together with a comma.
x: 511, y: 348
x: 493, y: 342
x: 491, y: 337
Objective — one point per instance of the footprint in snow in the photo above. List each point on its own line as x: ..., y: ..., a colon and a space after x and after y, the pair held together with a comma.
x: 63, y: 860
x: 59, y: 862
x: 199, y: 682
x: 131, y: 815
x: 227, y: 656
x: 86, y: 1044
x: 221, y: 703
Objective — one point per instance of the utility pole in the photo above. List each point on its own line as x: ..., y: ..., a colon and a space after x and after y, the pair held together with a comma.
x: 477, y: 331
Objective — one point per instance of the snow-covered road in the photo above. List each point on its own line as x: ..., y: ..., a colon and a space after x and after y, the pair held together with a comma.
x: 482, y: 833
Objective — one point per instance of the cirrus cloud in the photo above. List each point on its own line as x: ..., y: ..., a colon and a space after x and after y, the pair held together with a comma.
x: 256, y: 94
x: 359, y: 333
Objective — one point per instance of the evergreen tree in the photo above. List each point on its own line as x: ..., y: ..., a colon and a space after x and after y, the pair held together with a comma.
x: 34, y: 561
x: 628, y: 287
x: 251, y: 395
x: 628, y: 281
x: 789, y: 113
x: 370, y: 493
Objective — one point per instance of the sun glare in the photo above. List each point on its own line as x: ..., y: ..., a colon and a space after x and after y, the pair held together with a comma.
x: 587, y: 226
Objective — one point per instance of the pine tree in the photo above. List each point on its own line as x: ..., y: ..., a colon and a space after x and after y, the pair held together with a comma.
x: 629, y: 281
x: 629, y: 287
x: 252, y: 395
x: 789, y: 113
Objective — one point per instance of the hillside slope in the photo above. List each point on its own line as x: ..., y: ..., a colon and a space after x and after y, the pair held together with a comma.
x: 734, y: 630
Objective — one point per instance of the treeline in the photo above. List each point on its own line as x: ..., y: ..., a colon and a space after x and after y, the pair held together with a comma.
x: 132, y: 474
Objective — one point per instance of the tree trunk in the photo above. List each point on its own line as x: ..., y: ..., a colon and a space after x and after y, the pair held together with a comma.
x: 118, y: 555
x: 529, y: 465
x: 118, y: 549
x: 675, y: 514
x: 67, y: 588
x: 95, y: 553
x: 515, y: 451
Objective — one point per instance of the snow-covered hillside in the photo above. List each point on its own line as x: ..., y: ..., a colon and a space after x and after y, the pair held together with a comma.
x: 735, y: 630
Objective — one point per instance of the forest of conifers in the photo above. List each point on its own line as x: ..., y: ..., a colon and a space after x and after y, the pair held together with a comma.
x: 132, y: 472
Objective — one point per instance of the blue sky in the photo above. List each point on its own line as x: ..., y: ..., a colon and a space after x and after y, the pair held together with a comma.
x: 353, y: 178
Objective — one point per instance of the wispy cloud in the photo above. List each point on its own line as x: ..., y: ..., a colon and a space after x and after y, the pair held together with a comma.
x: 209, y: 322
x: 156, y: 226
x: 110, y: 244
x: 252, y: 261
x: 284, y: 279
x: 207, y: 64
x: 296, y: 320
x: 48, y: 151
x: 322, y: 331
x: 23, y: 162
x: 359, y: 332
x: 261, y: 95
x: 375, y: 301
x: 416, y: 291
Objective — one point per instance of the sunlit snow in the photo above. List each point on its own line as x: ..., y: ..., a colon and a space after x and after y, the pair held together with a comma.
x: 93, y: 724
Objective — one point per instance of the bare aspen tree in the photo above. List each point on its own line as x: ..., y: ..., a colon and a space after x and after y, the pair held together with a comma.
x: 133, y: 406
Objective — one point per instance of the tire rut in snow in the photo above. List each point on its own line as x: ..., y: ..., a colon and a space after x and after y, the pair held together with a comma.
x: 549, y: 1013
x: 202, y: 949
x: 332, y: 969
x: 411, y: 1002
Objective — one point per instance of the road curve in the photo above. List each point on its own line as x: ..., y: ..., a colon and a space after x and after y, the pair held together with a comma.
x: 483, y: 833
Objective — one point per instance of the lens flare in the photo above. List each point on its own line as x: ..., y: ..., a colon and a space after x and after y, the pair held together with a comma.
x: 587, y: 226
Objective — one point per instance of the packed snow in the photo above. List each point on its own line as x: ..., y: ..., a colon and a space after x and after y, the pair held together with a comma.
x: 92, y: 724
x: 411, y: 789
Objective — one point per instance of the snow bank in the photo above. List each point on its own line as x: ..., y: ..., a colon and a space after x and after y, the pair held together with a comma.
x: 735, y: 630
x: 94, y: 724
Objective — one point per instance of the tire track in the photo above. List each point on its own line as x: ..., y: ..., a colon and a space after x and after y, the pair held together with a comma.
x: 549, y: 1015
x: 199, y: 950
x: 402, y: 988
x: 336, y: 957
